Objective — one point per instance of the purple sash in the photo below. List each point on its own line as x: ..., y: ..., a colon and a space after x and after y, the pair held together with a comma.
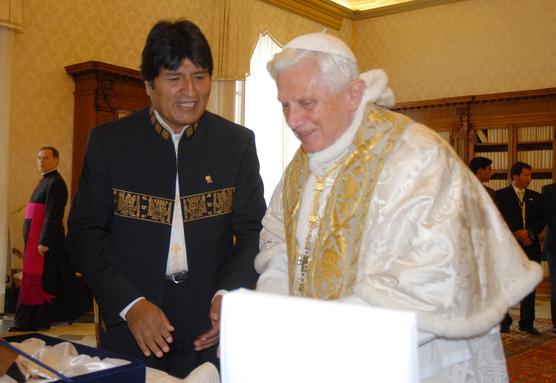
x: 32, y: 292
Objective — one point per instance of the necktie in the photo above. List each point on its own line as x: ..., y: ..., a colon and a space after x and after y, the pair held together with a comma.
x: 521, y: 195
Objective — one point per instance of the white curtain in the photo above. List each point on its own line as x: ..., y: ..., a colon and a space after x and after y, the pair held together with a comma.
x: 276, y: 144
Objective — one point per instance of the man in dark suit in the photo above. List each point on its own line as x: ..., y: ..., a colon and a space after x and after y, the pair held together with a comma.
x: 549, y: 201
x: 168, y: 211
x: 482, y: 168
x: 523, y: 212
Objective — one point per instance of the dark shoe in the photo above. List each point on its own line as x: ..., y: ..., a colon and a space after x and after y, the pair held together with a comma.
x: 531, y: 331
x: 554, y: 330
x: 504, y: 329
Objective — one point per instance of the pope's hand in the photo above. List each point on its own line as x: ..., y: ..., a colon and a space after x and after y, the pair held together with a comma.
x: 212, y: 336
x: 42, y: 249
x: 150, y: 327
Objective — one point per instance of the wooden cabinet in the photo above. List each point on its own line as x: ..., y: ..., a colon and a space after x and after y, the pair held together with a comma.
x: 103, y: 92
x: 505, y: 127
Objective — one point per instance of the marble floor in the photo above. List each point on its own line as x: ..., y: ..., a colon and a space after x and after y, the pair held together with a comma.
x: 82, y: 331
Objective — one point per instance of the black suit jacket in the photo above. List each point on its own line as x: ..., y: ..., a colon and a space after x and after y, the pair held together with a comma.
x: 549, y: 201
x: 120, y: 221
x: 508, y: 203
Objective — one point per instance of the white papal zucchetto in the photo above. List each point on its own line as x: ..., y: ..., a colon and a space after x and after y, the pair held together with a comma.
x: 322, y: 42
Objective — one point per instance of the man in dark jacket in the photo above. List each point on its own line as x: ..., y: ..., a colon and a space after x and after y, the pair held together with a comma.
x: 482, y: 168
x: 523, y: 212
x: 549, y: 200
x: 168, y: 210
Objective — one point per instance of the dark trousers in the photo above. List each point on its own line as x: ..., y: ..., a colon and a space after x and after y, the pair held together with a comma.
x: 550, y: 252
x: 178, y: 305
x: 527, y: 304
x: 526, y: 313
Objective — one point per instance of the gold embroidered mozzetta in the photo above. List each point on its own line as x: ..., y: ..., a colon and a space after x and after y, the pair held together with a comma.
x: 327, y: 267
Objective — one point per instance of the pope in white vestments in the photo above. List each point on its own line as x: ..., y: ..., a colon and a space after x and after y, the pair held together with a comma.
x: 377, y: 209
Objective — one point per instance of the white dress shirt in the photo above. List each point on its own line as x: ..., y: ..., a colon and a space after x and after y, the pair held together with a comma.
x: 177, y: 254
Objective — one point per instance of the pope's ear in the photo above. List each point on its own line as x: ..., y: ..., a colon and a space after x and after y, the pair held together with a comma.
x: 356, y: 91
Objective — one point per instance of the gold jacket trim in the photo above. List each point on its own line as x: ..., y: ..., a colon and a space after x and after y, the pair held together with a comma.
x: 143, y: 207
x: 155, y: 209
x: 189, y: 131
x: 206, y: 205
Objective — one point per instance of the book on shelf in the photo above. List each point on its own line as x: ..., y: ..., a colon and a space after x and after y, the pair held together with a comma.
x: 499, y: 159
x: 538, y: 159
x: 535, y: 133
x: 497, y: 184
x: 537, y: 184
x: 445, y: 134
x: 483, y: 139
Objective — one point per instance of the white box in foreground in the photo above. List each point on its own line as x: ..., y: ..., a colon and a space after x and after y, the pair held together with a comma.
x: 267, y: 338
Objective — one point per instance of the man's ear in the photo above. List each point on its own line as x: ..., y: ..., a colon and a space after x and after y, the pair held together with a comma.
x: 355, y: 91
x: 148, y: 87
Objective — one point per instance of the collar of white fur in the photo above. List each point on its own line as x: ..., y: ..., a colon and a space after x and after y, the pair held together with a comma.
x: 376, y: 91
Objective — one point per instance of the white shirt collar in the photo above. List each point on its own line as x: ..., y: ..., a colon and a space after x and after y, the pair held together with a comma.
x: 516, y: 189
x: 50, y: 171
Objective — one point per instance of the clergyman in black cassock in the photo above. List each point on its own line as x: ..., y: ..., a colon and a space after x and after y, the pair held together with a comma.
x: 50, y: 291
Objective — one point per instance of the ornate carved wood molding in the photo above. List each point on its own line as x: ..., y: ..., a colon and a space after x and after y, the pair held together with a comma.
x: 104, y: 69
x: 104, y: 98
x: 324, y: 12
x: 331, y: 14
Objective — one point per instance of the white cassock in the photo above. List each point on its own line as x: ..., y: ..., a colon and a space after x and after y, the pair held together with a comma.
x: 433, y: 242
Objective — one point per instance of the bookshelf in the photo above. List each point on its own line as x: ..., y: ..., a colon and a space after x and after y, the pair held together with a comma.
x: 493, y: 143
x: 505, y: 127
x: 533, y: 145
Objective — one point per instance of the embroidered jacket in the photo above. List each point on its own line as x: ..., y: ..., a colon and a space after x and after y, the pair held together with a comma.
x: 120, y: 221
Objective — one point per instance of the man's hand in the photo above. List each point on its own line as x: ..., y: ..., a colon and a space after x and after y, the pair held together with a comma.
x: 42, y: 249
x: 150, y: 327
x: 212, y: 336
x: 523, y: 237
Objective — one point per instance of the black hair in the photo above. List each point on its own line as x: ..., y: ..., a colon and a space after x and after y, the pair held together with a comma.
x: 53, y: 149
x: 518, y: 167
x: 479, y: 163
x: 169, y: 43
